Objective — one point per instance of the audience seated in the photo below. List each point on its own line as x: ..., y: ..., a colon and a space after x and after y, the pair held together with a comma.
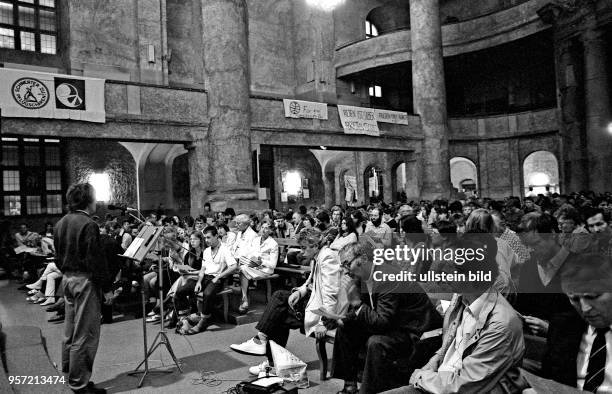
x: 295, y: 309
x: 385, y: 319
x: 482, y: 346
x: 217, y: 264
x: 551, y: 271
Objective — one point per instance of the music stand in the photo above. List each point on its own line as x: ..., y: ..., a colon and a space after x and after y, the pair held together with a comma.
x: 138, y: 249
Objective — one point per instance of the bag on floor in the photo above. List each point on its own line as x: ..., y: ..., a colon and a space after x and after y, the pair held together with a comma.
x: 288, y: 366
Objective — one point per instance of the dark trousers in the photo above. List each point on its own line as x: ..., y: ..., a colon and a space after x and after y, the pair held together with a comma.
x: 206, y: 299
x: 278, y: 319
x: 184, y: 293
x: 81, y: 329
x: 382, y: 352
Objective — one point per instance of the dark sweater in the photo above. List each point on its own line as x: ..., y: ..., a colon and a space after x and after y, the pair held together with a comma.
x: 79, y: 248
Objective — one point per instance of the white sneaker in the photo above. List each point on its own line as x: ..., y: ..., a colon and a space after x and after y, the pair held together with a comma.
x: 153, y: 319
x: 262, y: 368
x: 250, y: 347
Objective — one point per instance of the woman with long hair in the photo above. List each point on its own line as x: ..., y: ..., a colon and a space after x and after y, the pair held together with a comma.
x: 346, y: 235
x: 481, y: 221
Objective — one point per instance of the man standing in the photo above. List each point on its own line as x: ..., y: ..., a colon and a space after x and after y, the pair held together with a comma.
x: 86, y: 276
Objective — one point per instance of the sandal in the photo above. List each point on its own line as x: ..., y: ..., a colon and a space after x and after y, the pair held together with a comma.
x: 198, y: 328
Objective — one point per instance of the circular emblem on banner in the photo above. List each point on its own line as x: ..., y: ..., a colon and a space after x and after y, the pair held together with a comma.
x: 68, y: 95
x: 294, y: 107
x: 30, y: 93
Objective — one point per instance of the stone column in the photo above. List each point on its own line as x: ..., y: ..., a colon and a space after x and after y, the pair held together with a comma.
x: 597, y: 106
x: 573, y: 157
x: 226, y: 64
x: 328, y: 183
x: 430, y: 96
x: 199, y: 166
x: 314, y: 52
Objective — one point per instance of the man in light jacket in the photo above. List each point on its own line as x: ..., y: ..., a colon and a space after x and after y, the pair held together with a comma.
x: 287, y: 310
x: 482, y: 346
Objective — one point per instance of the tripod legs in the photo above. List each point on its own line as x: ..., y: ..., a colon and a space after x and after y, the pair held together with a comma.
x: 160, y: 338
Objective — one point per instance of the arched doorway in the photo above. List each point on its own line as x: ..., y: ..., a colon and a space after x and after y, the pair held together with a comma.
x: 464, y: 175
x: 373, y: 183
x: 541, y: 173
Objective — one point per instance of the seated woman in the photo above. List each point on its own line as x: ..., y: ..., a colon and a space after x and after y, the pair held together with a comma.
x: 48, y: 279
x: 182, y: 290
x: 347, y: 235
x: 260, y: 262
x: 170, y: 257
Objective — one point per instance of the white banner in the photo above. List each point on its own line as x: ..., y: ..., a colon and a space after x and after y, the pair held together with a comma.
x: 357, y: 120
x: 29, y: 94
x: 305, y: 109
x: 350, y: 185
x: 396, y: 117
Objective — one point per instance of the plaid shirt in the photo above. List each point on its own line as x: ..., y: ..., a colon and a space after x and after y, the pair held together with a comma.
x: 515, y: 244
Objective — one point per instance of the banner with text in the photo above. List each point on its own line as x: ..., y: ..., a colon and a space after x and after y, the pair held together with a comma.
x: 305, y: 109
x: 396, y: 117
x: 29, y: 94
x: 358, y: 120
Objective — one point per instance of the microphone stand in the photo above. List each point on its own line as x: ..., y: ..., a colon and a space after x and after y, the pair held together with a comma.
x: 152, y: 233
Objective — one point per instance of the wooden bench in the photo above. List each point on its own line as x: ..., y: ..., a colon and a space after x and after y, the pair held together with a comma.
x: 229, y: 290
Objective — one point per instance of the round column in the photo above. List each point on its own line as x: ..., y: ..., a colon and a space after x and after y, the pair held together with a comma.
x: 430, y: 96
x: 597, y: 107
x: 226, y: 64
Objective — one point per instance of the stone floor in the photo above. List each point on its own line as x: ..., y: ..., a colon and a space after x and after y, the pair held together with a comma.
x: 121, y: 349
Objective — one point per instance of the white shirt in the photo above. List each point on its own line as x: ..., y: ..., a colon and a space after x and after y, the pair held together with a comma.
x: 340, y: 241
x: 453, y: 359
x: 214, y: 264
x: 243, y: 242
x: 583, y: 360
x: 266, y: 251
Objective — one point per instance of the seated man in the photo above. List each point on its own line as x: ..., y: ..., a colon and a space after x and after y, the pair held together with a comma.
x: 25, y: 237
x: 260, y: 262
x: 385, y: 318
x: 284, y: 228
x: 482, y: 347
x: 244, y: 237
x: 217, y: 263
x: 289, y: 310
x: 587, y: 281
